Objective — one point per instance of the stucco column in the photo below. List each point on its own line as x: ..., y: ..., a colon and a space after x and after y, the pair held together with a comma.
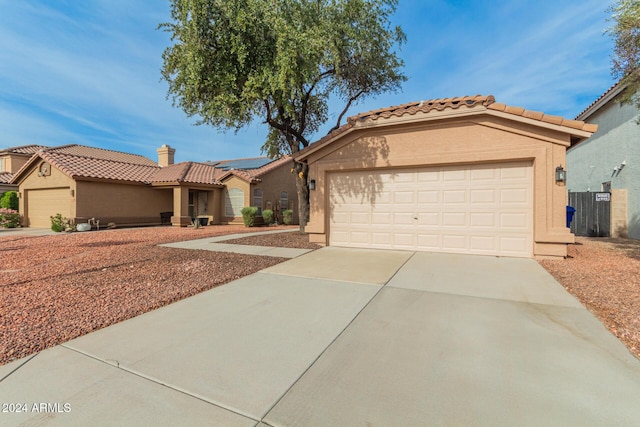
x: 180, y: 216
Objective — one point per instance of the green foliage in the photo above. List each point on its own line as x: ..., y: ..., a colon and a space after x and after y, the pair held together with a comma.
x: 281, y: 61
x: 287, y: 216
x: 267, y: 215
x: 626, y: 54
x: 249, y: 215
x: 9, y: 200
x: 59, y: 223
x: 9, y: 218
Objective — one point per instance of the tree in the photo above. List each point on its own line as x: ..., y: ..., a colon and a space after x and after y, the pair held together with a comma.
x: 9, y: 200
x: 281, y: 61
x: 626, y: 54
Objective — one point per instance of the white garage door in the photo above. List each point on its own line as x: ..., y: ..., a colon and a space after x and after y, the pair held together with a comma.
x: 42, y: 204
x: 479, y: 209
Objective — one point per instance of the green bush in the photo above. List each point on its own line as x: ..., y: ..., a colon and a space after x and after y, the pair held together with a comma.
x: 58, y: 223
x: 287, y: 216
x: 9, y: 218
x: 9, y: 200
x: 249, y: 215
x: 267, y: 215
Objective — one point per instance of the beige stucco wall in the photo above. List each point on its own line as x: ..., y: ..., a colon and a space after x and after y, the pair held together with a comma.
x: 469, y: 140
x: 123, y: 204
x: 13, y: 162
x: 273, y: 184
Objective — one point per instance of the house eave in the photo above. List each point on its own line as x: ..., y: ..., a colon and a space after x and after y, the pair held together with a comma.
x: 601, y: 102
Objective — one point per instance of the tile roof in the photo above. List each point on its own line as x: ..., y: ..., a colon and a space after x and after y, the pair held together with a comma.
x: 5, y: 177
x: 81, y: 166
x: 23, y: 149
x: 488, y: 102
x: 252, y: 175
x: 192, y: 172
x: 102, y: 154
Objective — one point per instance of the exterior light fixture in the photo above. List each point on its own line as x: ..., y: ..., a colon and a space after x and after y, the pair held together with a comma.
x: 312, y: 184
x: 561, y: 175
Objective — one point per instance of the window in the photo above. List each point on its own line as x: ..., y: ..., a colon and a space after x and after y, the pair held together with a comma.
x: 284, y: 201
x: 234, y: 201
x: 1, y: 165
x: 257, y: 200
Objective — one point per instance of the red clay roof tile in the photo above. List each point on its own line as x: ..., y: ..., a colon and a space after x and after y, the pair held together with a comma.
x: 5, y: 177
x: 412, y: 108
x: 23, y: 149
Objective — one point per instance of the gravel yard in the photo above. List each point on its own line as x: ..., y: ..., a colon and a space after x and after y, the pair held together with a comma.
x: 56, y: 288
x: 604, y: 274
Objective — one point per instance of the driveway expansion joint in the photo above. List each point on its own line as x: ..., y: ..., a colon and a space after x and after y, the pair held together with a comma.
x: 115, y: 364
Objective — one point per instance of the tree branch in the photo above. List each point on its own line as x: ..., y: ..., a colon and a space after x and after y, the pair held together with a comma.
x: 346, y: 108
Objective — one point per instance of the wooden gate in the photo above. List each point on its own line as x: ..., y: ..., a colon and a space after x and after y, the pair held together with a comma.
x: 593, y: 214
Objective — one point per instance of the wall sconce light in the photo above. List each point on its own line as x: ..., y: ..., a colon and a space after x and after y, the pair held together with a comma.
x: 561, y: 175
x: 72, y: 193
x: 312, y: 184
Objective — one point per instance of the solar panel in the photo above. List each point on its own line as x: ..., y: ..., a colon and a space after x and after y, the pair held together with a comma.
x: 245, y: 163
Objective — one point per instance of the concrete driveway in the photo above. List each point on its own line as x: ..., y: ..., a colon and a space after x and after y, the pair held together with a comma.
x: 344, y: 337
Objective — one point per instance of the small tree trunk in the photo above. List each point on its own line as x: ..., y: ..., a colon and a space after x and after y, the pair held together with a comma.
x: 302, y: 186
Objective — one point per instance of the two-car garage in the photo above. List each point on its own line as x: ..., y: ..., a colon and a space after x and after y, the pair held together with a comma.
x: 461, y: 175
x: 478, y: 209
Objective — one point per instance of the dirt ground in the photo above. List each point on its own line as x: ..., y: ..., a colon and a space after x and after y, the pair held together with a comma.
x: 56, y: 288
x: 604, y: 274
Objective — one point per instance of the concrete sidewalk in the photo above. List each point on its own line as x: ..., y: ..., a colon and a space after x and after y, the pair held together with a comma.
x: 344, y: 337
x: 217, y: 244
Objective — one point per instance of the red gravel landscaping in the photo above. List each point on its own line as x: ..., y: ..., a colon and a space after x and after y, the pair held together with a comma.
x: 604, y: 274
x: 56, y: 288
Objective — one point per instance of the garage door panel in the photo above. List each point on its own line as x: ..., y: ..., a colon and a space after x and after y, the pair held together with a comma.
x: 513, y: 196
x: 449, y: 175
x: 482, y: 209
x: 483, y: 219
x: 483, y: 196
x: 455, y: 196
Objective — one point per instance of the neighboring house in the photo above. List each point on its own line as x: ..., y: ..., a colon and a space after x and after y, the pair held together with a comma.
x: 81, y: 182
x: 610, y: 160
x: 11, y: 160
x: 461, y: 175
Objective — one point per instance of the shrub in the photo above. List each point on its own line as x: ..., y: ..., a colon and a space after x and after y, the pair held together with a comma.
x: 267, y: 215
x: 249, y: 215
x: 9, y: 218
x: 59, y: 223
x: 287, y: 216
x: 9, y: 200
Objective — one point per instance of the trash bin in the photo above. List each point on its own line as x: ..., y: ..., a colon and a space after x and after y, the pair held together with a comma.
x: 570, y: 212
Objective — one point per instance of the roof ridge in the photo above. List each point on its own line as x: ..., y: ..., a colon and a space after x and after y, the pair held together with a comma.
x: 49, y: 152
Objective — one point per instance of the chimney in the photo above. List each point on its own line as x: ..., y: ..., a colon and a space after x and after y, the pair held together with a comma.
x: 165, y: 155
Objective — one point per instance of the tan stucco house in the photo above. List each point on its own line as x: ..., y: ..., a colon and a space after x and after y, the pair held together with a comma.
x: 11, y: 160
x: 460, y: 175
x: 81, y: 182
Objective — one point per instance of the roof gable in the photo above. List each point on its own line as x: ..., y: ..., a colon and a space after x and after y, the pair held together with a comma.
x: 478, y: 104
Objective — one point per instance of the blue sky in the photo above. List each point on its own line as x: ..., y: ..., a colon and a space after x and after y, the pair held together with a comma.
x: 88, y: 72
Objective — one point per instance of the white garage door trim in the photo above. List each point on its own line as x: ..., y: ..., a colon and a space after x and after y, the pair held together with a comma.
x: 44, y: 203
x: 484, y: 209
